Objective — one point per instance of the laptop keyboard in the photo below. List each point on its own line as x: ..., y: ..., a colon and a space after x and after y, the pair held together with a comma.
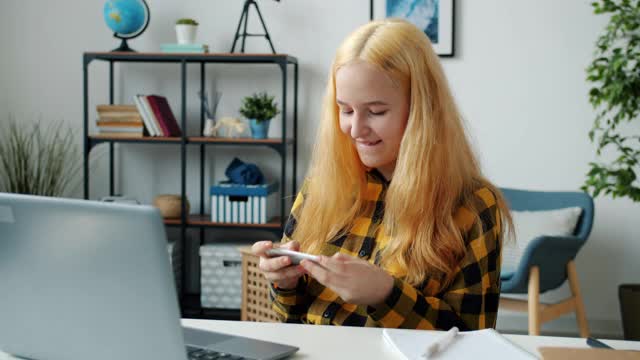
x: 207, y: 354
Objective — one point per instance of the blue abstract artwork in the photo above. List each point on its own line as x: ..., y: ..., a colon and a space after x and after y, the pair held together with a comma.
x: 422, y: 13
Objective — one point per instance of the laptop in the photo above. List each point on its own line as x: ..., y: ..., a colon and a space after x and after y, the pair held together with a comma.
x: 91, y: 280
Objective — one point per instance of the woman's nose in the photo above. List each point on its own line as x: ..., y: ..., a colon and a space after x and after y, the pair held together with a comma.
x: 359, y: 125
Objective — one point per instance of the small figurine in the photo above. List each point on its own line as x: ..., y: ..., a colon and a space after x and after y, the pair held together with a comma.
x: 231, y: 127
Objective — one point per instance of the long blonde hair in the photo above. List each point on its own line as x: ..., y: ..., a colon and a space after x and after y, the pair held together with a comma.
x: 436, y: 167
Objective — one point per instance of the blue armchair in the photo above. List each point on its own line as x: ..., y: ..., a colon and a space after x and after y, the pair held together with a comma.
x: 548, y: 260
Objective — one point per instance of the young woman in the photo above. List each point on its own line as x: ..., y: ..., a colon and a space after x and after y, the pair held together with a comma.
x: 408, y: 229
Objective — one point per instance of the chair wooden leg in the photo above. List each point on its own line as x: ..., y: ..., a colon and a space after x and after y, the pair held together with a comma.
x: 534, y: 301
x: 577, y: 296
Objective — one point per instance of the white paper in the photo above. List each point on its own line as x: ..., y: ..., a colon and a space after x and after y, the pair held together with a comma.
x: 481, y: 344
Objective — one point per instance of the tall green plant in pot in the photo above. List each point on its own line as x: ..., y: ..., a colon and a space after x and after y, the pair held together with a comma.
x: 615, y: 75
x: 37, y: 159
x: 259, y: 109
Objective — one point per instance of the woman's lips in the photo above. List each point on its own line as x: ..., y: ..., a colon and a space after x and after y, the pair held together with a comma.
x: 368, y: 144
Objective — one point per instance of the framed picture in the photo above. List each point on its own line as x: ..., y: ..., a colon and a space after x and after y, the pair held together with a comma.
x: 434, y: 17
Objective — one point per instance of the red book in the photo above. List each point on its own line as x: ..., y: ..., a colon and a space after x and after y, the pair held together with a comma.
x: 163, y: 113
x: 164, y: 131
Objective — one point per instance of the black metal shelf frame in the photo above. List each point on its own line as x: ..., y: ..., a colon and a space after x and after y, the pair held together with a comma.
x: 281, y: 60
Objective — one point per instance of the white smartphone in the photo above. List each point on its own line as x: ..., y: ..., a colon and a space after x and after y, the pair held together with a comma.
x: 295, y: 256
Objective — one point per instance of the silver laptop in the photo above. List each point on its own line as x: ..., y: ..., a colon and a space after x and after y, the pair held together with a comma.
x: 88, y: 280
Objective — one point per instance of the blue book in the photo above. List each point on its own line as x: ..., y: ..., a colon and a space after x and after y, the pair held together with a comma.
x: 182, y: 51
x: 184, y: 47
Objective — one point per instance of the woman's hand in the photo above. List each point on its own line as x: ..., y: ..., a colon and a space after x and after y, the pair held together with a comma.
x: 278, y: 269
x: 356, y: 281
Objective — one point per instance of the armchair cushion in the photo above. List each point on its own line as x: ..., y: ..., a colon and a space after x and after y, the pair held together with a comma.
x: 528, y: 226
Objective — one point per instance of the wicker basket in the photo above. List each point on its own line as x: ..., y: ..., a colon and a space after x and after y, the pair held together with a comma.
x: 256, y: 305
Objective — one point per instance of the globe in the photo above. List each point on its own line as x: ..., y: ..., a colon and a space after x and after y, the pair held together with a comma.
x: 127, y: 19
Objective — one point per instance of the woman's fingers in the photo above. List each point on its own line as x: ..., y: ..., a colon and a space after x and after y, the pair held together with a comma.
x: 319, y: 272
x: 291, y: 245
x: 260, y: 247
x: 343, y: 257
x: 278, y: 269
x: 274, y: 264
x: 336, y: 263
x: 289, y: 273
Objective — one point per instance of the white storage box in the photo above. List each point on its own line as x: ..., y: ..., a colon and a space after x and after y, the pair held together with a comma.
x: 220, y: 276
x: 175, y: 259
x: 243, y: 204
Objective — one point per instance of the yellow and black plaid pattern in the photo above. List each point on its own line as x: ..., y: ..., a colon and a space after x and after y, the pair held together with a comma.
x: 470, y: 302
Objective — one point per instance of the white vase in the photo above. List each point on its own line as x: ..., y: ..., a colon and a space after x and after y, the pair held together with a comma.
x: 186, y: 34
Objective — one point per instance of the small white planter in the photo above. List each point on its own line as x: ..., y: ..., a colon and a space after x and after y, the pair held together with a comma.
x: 186, y: 34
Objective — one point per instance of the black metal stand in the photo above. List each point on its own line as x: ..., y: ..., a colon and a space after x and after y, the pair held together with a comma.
x: 123, y: 45
x: 245, y: 18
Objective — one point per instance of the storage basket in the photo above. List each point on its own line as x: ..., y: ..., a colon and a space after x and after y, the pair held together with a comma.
x: 220, y: 276
x: 243, y: 204
x: 256, y: 304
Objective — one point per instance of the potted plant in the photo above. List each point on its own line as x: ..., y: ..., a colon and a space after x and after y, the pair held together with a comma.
x: 615, y: 95
x: 37, y: 159
x: 259, y: 109
x: 186, y: 29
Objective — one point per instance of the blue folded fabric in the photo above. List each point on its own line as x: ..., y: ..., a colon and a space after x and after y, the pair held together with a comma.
x: 240, y: 172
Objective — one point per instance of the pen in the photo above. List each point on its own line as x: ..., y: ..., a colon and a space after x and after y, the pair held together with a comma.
x: 597, y: 344
x: 441, y: 343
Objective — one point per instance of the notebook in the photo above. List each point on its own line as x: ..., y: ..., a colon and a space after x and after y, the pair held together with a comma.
x: 481, y: 344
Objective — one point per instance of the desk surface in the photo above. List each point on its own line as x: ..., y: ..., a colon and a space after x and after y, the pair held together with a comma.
x: 341, y: 342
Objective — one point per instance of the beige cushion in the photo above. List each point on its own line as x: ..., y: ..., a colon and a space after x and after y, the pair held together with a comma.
x: 529, y: 225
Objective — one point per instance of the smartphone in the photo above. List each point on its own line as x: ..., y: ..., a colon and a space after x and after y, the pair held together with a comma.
x: 295, y: 256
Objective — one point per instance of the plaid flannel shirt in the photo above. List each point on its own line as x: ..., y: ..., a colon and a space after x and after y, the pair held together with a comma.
x: 470, y: 301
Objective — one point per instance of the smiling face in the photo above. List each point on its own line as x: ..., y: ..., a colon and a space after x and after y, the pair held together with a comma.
x: 373, y: 113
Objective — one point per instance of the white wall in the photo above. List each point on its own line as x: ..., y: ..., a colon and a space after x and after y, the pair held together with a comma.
x: 520, y: 82
x: 518, y: 76
x: 4, y: 35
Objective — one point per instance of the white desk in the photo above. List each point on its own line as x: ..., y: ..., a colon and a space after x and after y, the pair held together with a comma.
x: 342, y: 342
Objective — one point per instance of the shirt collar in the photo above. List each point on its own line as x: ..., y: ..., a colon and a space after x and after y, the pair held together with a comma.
x: 376, y: 176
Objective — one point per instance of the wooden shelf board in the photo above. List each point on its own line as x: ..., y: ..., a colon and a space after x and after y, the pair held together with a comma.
x: 191, y: 57
x: 205, y: 220
x: 150, y: 139
x: 219, y: 140
x: 190, y: 140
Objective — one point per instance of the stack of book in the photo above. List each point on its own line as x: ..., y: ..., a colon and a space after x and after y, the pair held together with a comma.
x: 119, y: 121
x: 157, y: 116
x: 185, y: 48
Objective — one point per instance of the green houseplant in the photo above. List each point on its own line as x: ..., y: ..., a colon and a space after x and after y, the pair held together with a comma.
x: 37, y: 159
x: 186, y: 30
x: 615, y: 77
x: 186, y: 21
x: 259, y: 108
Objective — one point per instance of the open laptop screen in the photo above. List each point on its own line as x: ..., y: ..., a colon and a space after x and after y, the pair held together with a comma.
x: 85, y: 280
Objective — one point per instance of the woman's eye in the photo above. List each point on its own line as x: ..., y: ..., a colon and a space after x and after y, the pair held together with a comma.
x: 346, y: 111
x: 378, y: 113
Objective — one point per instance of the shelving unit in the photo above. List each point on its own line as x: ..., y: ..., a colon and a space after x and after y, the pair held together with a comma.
x: 283, y: 145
